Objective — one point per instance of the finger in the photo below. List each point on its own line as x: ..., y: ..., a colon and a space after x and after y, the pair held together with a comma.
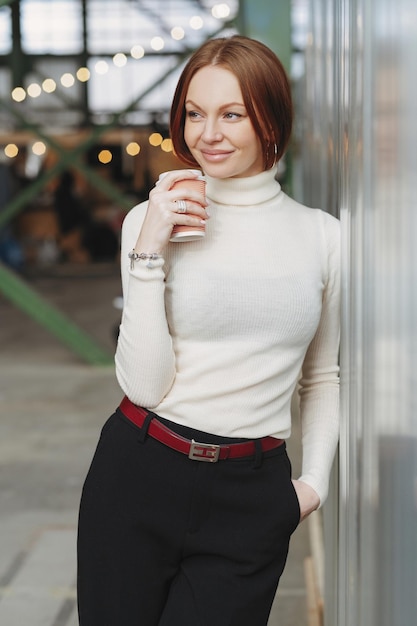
x: 168, y: 179
x: 181, y: 206
x: 193, y: 198
x: 188, y: 220
x: 191, y: 195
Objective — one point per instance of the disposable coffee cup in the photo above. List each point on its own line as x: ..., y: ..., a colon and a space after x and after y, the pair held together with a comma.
x: 188, y: 233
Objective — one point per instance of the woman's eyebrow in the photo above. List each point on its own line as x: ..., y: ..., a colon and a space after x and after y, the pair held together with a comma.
x: 224, y: 106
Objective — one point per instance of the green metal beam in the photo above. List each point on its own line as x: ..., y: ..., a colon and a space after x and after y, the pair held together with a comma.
x: 29, y: 301
x: 14, y: 288
x: 70, y: 157
x: 105, y: 186
x: 268, y: 21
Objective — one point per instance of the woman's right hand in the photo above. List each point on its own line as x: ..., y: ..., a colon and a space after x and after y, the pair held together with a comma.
x: 162, y: 213
x: 308, y: 498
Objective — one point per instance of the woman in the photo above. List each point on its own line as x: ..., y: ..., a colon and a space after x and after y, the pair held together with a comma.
x: 213, y: 337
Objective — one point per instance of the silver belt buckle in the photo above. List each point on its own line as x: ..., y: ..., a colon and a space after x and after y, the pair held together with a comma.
x: 204, y: 452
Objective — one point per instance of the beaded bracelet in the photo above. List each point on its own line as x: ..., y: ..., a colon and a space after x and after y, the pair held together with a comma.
x: 136, y: 256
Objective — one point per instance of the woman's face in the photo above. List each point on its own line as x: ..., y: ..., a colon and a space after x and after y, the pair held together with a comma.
x: 218, y: 130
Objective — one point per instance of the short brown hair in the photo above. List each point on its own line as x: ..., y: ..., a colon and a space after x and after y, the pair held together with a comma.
x: 265, y: 89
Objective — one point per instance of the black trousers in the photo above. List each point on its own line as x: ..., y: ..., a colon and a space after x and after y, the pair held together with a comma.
x: 167, y: 541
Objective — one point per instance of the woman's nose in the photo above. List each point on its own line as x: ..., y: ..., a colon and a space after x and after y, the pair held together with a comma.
x: 211, y: 131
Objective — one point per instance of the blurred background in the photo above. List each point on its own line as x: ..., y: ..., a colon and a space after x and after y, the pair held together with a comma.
x: 85, y: 92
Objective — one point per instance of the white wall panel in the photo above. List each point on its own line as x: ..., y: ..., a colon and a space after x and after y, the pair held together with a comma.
x: 360, y: 159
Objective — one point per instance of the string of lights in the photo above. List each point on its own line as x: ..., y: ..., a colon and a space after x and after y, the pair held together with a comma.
x: 68, y: 80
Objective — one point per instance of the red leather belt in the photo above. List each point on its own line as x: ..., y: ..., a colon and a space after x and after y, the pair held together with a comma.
x: 193, y: 449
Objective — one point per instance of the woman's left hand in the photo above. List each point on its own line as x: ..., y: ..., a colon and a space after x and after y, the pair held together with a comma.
x: 308, y: 499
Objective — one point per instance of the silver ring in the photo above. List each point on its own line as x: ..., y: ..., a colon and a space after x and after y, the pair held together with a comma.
x: 181, y: 206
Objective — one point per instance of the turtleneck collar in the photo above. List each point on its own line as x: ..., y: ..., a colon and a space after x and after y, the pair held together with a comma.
x: 243, y: 191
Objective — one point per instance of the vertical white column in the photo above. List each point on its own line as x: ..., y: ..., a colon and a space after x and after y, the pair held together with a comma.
x: 360, y: 153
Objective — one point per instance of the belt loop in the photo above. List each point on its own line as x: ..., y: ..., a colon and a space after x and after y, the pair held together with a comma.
x: 258, y: 454
x: 144, y: 428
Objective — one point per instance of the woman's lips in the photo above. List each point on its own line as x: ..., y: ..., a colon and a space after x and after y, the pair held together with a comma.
x: 215, y: 155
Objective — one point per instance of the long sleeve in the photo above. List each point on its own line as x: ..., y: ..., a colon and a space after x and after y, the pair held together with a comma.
x: 319, y: 384
x: 145, y: 360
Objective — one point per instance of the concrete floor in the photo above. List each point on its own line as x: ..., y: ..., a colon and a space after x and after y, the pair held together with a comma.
x: 52, y: 408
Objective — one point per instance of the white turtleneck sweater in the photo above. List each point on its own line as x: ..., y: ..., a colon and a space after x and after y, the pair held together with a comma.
x: 215, y: 335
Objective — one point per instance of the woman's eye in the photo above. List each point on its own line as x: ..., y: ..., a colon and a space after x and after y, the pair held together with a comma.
x: 232, y: 116
x: 192, y: 114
